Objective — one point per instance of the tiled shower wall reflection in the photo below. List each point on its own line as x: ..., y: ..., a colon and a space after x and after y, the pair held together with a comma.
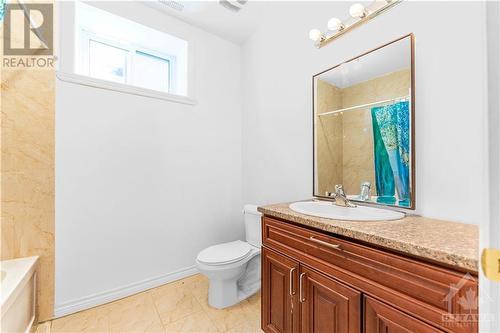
x: 345, y: 140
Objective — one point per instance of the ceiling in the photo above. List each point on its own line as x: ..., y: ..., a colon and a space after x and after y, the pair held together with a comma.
x: 213, y: 17
x: 391, y: 58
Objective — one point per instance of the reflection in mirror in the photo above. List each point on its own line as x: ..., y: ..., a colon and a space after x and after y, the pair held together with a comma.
x: 363, y: 127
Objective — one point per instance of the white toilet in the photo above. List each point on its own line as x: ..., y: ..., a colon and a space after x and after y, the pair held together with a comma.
x: 233, y: 268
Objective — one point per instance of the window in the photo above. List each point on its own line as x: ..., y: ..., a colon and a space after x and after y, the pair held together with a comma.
x: 115, y: 49
x: 152, y: 71
x: 107, y: 62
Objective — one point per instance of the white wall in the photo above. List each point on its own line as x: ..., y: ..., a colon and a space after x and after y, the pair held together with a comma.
x: 142, y: 185
x: 490, y: 230
x: 279, y: 60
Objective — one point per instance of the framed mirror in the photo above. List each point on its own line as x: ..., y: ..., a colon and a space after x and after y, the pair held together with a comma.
x: 363, y: 117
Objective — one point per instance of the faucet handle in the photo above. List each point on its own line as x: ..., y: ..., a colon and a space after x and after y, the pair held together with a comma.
x: 365, y: 191
x: 339, y: 189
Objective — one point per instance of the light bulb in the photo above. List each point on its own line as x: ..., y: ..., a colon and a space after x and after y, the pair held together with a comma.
x: 357, y: 10
x: 315, y: 34
x: 335, y: 24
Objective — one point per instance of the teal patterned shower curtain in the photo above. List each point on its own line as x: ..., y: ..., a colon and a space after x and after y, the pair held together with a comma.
x: 391, y: 134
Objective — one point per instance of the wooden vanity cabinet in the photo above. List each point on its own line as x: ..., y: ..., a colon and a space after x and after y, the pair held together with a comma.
x: 327, y: 305
x: 316, y: 282
x: 315, y: 304
x: 279, y: 289
x: 378, y: 317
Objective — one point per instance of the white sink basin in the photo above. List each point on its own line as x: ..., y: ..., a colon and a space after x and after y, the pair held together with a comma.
x: 331, y: 211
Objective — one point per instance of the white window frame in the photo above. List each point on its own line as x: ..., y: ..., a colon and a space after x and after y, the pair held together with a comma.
x: 67, y: 66
x: 132, y: 50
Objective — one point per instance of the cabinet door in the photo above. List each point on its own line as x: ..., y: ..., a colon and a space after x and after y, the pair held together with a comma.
x: 327, y: 306
x: 279, y: 289
x: 381, y: 318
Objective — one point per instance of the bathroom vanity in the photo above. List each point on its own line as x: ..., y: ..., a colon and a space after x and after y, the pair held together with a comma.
x: 324, y: 275
x: 342, y: 265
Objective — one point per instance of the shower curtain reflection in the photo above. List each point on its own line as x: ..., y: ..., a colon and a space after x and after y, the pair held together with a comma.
x: 391, y: 133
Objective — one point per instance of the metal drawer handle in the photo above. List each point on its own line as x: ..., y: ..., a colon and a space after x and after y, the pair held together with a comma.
x: 332, y: 246
x: 291, y: 282
x: 301, y: 297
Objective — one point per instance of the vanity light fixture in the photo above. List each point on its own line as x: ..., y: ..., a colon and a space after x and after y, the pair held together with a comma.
x: 316, y: 35
x: 357, y: 11
x: 359, y: 14
x: 335, y: 24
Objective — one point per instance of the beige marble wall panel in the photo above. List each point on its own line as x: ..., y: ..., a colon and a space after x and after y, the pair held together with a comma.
x: 358, y: 159
x: 27, y: 167
x: 328, y: 137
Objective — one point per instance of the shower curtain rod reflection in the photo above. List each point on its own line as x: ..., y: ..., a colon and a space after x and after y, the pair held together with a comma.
x: 401, y: 98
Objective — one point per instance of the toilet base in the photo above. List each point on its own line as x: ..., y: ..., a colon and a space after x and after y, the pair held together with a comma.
x: 232, y: 285
x: 222, y: 294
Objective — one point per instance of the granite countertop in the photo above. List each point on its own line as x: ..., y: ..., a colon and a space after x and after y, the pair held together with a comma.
x: 450, y: 243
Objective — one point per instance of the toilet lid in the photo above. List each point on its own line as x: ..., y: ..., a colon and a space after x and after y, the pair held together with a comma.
x: 225, y: 253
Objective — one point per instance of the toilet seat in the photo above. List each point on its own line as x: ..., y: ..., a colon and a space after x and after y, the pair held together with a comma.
x: 225, y: 253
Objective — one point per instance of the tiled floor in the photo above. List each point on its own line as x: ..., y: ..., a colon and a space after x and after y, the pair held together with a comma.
x: 180, y: 306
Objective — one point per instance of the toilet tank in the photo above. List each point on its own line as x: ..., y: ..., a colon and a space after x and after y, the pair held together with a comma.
x: 253, y: 231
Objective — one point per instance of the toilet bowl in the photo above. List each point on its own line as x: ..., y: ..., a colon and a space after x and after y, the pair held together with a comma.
x: 233, y: 268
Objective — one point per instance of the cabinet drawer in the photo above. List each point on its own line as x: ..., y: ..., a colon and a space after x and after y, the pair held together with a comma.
x: 419, y: 288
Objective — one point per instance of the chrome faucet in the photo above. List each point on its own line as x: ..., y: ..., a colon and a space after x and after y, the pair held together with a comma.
x: 340, y: 198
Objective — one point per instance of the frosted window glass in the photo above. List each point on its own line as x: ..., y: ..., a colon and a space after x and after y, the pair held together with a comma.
x: 151, y: 72
x: 107, y: 62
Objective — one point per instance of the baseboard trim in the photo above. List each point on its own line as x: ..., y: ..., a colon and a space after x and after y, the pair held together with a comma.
x: 121, y: 292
